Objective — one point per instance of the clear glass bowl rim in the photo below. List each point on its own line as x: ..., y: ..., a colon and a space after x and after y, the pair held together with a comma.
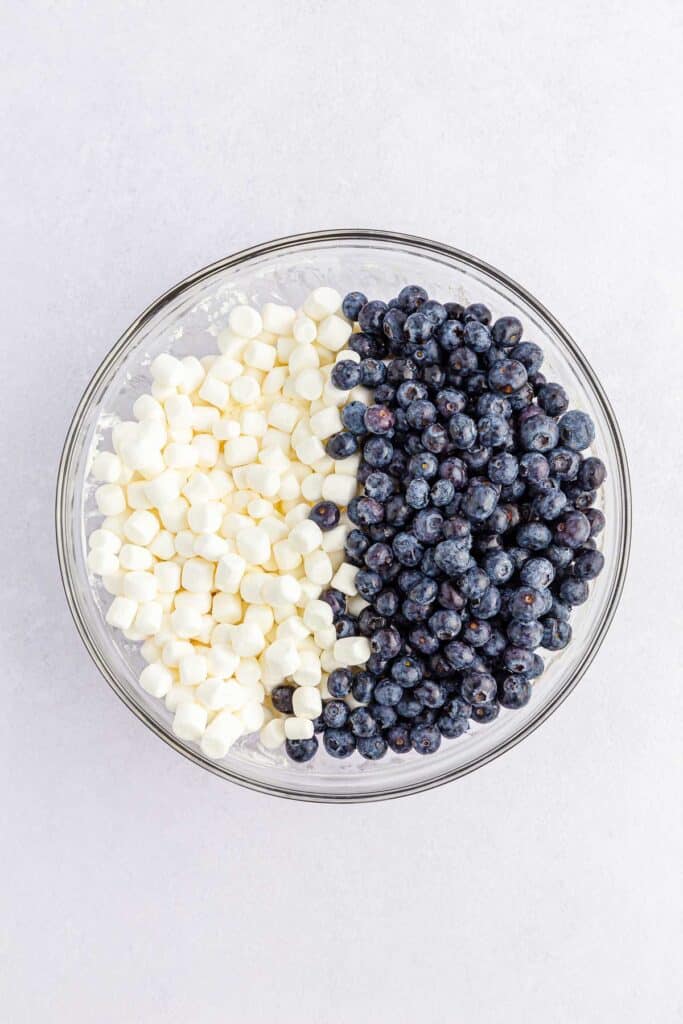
x: 119, y: 351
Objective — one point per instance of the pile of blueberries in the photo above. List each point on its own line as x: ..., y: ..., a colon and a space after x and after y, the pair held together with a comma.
x: 474, y: 535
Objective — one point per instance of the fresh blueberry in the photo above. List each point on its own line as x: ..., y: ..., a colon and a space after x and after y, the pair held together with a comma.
x: 486, y: 605
x: 463, y: 430
x: 281, y: 697
x: 592, y: 474
x: 460, y: 655
x: 534, y: 536
x: 477, y: 311
x: 362, y: 687
x: 527, y: 604
x: 393, y: 324
x: 506, y: 331
x: 346, y: 625
x: 417, y: 493
x: 537, y: 572
x: 407, y: 549
x: 377, y: 452
x: 398, y: 739
x: 338, y: 683
x: 553, y: 399
x: 564, y: 463
x: 454, y: 469
x: 525, y: 634
x: 335, y: 714
x: 589, y: 565
x: 345, y: 374
x: 428, y: 526
x: 368, y: 583
x: 388, y: 692
x: 551, y: 505
x: 478, y: 688
x: 362, y: 723
x: 335, y: 599
x: 341, y: 445
x: 485, y: 713
x: 353, y: 417
x: 407, y: 671
x: 538, y: 433
x: 301, y: 750
x: 364, y: 511
x: 556, y: 633
x: 441, y: 493
x: 339, y: 742
x: 371, y: 747
x: 493, y: 430
x: 573, y: 529
x: 529, y: 354
x: 596, y: 518
x: 352, y: 303
x: 373, y: 372
x: 577, y: 430
x: 514, y: 692
x: 379, y: 419
x: 325, y: 514
x: 477, y: 633
x: 448, y: 401
x: 411, y: 298
x: 371, y: 315
x: 507, y: 376
x: 449, y: 335
x: 424, y: 465
x: 573, y: 591
x: 451, y: 557
x: 422, y: 640
x: 503, y: 468
x: 479, y: 501
x: 425, y: 739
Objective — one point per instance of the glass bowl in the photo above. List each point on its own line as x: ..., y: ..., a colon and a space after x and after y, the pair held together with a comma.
x: 185, y: 321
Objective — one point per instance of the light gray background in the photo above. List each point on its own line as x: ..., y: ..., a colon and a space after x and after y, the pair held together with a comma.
x: 143, y: 140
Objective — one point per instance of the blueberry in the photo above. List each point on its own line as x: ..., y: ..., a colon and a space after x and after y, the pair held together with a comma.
x: 534, y: 467
x: 596, y: 518
x: 418, y: 328
x: 301, y: 750
x: 385, y: 393
x: 514, y: 692
x: 352, y: 303
x: 462, y: 429
x: 398, y: 739
x: 377, y: 452
x: 379, y: 557
x: 474, y: 582
x: 424, y: 465
x: 407, y: 549
x: 368, y: 583
x: 441, y: 493
x: 366, y: 345
x: 282, y: 699
x: 573, y: 591
x: 503, y: 468
x: 493, y: 430
x: 420, y: 413
x: 448, y: 401
x: 362, y: 723
x: 477, y: 311
x: 564, y: 463
x: 551, y: 505
x: 506, y: 331
x: 487, y: 604
x: 449, y: 335
x: 422, y: 589
x: 499, y: 566
x: 525, y: 634
x: 479, y: 501
x: 371, y: 747
x: 417, y: 493
x: 425, y: 739
x: 552, y: 398
x: 341, y: 445
x: 421, y: 640
x: 534, y: 536
x: 335, y: 599
x: 477, y: 633
x: 496, y: 643
x: 454, y: 469
x: 325, y: 514
x: 393, y: 324
x: 576, y: 430
x: 527, y: 604
x: 362, y: 687
x: 364, y: 511
x: 370, y: 316
x: 387, y: 602
x: 538, y: 433
x: 428, y: 526
x: 356, y: 544
x: 556, y: 633
x: 411, y: 298
x: 478, y: 688
x: 507, y: 376
x: 529, y: 355
x: 388, y: 692
x: 573, y: 529
x: 410, y: 391
x: 451, y: 557
x: 379, y: 486
x: 338, y: 682
x: 434, y: 311
x: 407, y: 671
x: 460, y: 655
x: 353, y: 417
x: 339, y: 742
x: 346, y: 625
x: 485, y: 713
x: 345, y: 374
x: 477, y: 458
x: 588, y: 565
x: 592, y: 474
x: 537, y: 572
x: 335, y: 714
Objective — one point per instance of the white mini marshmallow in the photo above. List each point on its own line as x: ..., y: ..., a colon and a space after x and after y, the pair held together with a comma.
x: 251, y: 716
x: 186, y: 623
x: 245, y: 390
x: 226, y: 608
x: 305, y: 537
x: 326, y: 422
x: 253, y: 543
x: 306, y: 702
x: 352, y: 650
x: 133, y: 557
x: 140, y: 586
x: 245, y: 321
x: 345, y: 579
x: 281, y: 590
x: 102, y: 562
x: 240, y: 451
x: 272, y: 735
x: 106, y: 467
x: 259, y: 355
x: 173, y: 650
x: 339, y: 489
x: 206, y: 516
x: 193, y: 669
x: 121, y: 612
x: 335, y: 540
x: 309, y: 384
x: 148, y: 618
x: 282, y: 657
x: 222, y: 661
x: 298, y: 728
x: 216, y: 392
x: 107, y: 540
x: 147, y: 408
x: 334, y: 332
x: 190, y: 721
x: 220, y: 735
x: 193, y: 375
x: 229, y: 573
x: 322, y: 302
x: 318, y: 615
x: 247, y: 640
x: 110, y: 499
x: 308, y: 676
x: 156, y: 679
x: 304, y: 330
x: 198, y: 575
x: 318, y: 567
x: 277, y: 319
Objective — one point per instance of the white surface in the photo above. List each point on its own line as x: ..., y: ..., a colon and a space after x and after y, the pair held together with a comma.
x: 143, y: 140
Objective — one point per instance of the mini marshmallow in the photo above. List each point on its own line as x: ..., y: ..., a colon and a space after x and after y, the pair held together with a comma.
x: 140, y: 586
x: 193, y: 669
x: 261, y: 615
x: 240, y: 451
x: 229, y: 573
x: 277, y: 319
x: 318, y: 615
x: 207, y: 450
x: 247, y: 640
x: 339, y: 489
x: 312, y: 487
x: 167, y: 371
x: 284, y: 416
x: 298, y: 728
x: 107, y: 540
x: 220, y: 735
x: 244, y: 390
x: 186, y: 623
x: 121, y: 612
x: 286, y: 556
x: 134, y: 557
x: 326, y: 422
x: 178, y: 695
x: 304, y: 330
x: 318, y: 567
x: 178, y: 409
x: 306, y: 702
x: 150, y: 651
x: 229, y: 343
x: 308, y: 676
x: 253, y: 543
x: 198, y: 575
x: 173, y: 514
x: 292, y: 629
x: 156, y: 680
x: 222, y: 661
x: 309, y: 449
x: 193, y: 375
x: 280, y: 590
x: 322, y: 302
x: 259, y: 355
x: 225, y: 369
x: 147, y: 408
x: 326, y: 637
x: 210, y: 546
x: 164, y: 488
x: 204, y: 417
x: 272, y: 735
x: 263, y: 480
x: 173, y: 650
x: 306, y: 537
x: 106, y: 467
x: 148, y: 618
x: 184, y: 543
x: 309, y: 384
x: 190, y: 721
x: 178, y: 455
x: 102, y: 562
x: 226, y: 608
x: 352, y: 650
x: 245, y: 321
x: 305, y: 357
x: 110, y: 499
x: 282, y: 657
x: 253, y: 423
x: 251, y: 716
x: 201, y: 602
x: 206, y: 516
x: 335, y: 540
x: 333, y: 333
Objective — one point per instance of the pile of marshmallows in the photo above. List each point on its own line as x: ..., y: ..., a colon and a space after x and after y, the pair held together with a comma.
x: 206, y: 545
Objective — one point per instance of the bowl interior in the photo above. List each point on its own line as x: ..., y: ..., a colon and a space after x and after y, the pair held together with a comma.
x: 186, y: 321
